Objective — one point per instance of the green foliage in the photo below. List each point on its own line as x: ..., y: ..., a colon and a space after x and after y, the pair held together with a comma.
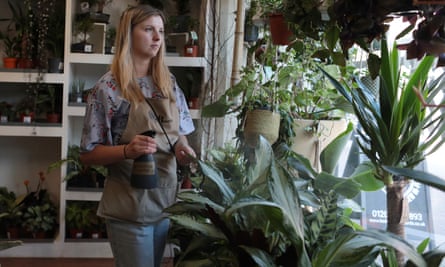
x: 267, y: 207
x: 10, y: 208
x: 393, y: 121
x: 76, y: 167
x: 80, y: 215
x: 40, y: 217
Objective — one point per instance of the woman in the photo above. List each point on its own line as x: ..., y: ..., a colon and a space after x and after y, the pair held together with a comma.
x: 137, y: 94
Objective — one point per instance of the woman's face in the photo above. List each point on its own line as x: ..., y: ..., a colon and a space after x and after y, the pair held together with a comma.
x: 148, y: 37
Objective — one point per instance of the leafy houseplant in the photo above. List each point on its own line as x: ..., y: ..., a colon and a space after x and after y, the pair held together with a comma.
x: 10, y: 49
x: 258, y: 213
x: 83, y: 25
x: 40, y: 219
x: 5, y: 112
x: 56, y: 38
x: 10, y: 213
x: 79, y: 218
x: 39, y: 213
x: 47, y: 100
x: 392, y: 123
x: 78, y: 174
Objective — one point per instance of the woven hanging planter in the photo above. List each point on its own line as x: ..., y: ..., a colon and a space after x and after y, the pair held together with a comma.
x: 261, y: 122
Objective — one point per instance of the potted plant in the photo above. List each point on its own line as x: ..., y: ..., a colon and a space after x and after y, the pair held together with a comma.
x: 10, y: 50
x: 257, y: 93
x: 77, y: 91
x: 110, y: 37
x: 10, y: 213
x: 253, y: 210
x: 39, y: 212
x: 46, y: 102
x: 280, y: 31
x: 80, y: 175
x: 40, y: 220
x: 5, y: 112
x: 83, y: 25
x: 26, y: 107
x: 56, y: 38
x: 392, y: 122
x: 78, y: 218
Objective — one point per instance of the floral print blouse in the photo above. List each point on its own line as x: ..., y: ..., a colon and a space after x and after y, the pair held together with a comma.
x: 107, y: 112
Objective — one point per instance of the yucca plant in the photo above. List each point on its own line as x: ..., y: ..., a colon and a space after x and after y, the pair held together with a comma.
x: 395, y: 130
x: 261, y: 213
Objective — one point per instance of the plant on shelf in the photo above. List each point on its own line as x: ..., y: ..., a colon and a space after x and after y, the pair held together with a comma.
x: 79, y: 218
x: 5, y: 111
x: 110, y: 37
x: 26, y: 108
x: 39, y: 212
x: 47, y: 100
x: 10, y: 42
x: 182, y: 21
x: 40, y: 220
x: 56, y: 38
x: 10, y: 213
x: 77, y: 91
x: 78, y: 174
x: 83, y: 25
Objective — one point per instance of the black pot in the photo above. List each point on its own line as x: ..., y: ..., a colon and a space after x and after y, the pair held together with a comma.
x: 55, y: 65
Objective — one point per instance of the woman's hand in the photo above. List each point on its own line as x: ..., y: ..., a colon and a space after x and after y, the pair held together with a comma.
x: 140, y: 145
x: 184, y: 152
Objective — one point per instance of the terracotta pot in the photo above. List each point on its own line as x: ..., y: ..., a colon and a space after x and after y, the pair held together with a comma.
x: 53, y: 117
x: 10, y: 62
x: 25, y: 63
x: 194, y: 103
x: 279, y: 30
x: 190, y: 51
x: 76, y: 233
x: 39, y: 235
x: 13, y: 232
x: 27, y: 118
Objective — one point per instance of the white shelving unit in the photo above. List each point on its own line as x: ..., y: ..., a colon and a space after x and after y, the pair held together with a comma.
x: 57, y: 138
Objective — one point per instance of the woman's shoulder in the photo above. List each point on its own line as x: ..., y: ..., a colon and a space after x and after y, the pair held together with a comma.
x: 106, y: 88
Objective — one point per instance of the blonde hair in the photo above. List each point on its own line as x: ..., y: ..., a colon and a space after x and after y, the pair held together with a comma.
x: 122, y: 67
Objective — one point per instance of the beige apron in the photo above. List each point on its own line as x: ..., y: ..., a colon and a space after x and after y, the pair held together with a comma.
x: 120, y: 200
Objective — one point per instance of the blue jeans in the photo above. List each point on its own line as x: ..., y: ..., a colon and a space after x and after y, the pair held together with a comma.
x: 135, y: 245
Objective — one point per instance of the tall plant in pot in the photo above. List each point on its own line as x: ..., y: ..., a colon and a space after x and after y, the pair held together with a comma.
x: 392, y: 126
x: 255, y: 97
x: 280, y: 31
x: 56, y: 38
x: 10, y: 52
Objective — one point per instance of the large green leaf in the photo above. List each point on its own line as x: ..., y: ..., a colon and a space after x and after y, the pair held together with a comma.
x: 218, y: 179
x: 420, y: 176
x: 204, y: 228
x: 331, y: 154
x: 260, y: 257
